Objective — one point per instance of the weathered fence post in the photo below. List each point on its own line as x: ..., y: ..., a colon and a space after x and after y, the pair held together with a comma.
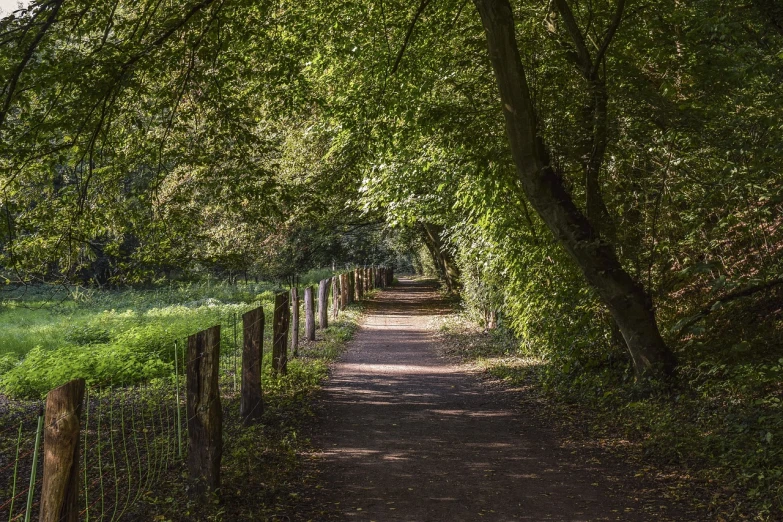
x: 309, y: 314
x: 59, y: 490
x: 295, y: 321
x: 351, y: 286
x: 205, y: 416
x: 251, y: 404
x: 335, y: 297
x: 343, y: 291
x: 357, y: 279
x: 282, y: 318
x: 323, y: 305
x: 367, y: 280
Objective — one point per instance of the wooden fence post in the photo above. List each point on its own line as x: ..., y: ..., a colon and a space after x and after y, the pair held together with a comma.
x: 205, y: 416
x: 351, y: 286
x: 335, y: 297
x: 295, y: 321
x: 251, y: 404
x: 323, y: 305
x: 357, y: 278
x: 282, y: 317
x: 59, y: 490
x: 343, y: 291
x: 309, y: 314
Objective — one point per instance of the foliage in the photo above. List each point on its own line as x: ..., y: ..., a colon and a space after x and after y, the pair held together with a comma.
x: 142, y: 142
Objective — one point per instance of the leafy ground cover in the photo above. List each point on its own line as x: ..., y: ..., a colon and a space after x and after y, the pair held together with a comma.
x: 715, y: 434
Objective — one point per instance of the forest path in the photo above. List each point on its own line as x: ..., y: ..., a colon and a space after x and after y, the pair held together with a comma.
x: 409, y: 435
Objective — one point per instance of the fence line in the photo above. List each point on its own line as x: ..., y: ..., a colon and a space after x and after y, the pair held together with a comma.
x: 132, y: 435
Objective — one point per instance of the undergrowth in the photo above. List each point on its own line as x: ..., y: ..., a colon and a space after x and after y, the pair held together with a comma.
x: 717, y: 431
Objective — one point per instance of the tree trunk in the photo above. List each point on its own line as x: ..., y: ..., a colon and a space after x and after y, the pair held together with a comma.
x: 251, y: 399
x: 323, y: 304
x: 626, y: 300
x: 205, y: 416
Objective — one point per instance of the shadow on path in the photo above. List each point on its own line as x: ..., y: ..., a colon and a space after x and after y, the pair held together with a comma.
x: 406, y: 435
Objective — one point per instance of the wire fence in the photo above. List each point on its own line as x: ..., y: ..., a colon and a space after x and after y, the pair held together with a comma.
x: 132, y: 437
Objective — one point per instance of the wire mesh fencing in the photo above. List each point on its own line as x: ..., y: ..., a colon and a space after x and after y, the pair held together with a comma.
x: 132, y: 437
x: 20, y: 463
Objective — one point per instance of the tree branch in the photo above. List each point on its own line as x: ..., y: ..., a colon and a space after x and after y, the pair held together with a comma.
x: 618, y: 17
x: 422, y: 6
x: 11, y: 85
x: 583, y: 55
x: 684, y: 324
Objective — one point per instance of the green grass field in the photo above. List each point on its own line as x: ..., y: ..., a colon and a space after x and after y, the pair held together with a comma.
x: 51, y: 335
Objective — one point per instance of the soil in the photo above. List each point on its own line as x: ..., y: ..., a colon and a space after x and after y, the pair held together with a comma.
x: 407, y: 434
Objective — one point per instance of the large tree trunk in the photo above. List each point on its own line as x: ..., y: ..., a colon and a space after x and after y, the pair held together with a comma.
x: 626, y: 300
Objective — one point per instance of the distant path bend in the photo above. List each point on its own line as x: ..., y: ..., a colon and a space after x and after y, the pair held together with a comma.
x: 407, y: 435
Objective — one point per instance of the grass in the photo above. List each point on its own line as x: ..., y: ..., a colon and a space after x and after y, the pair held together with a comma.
x: 716, y: 435
x: 53, y: 335
x: 265, y: 468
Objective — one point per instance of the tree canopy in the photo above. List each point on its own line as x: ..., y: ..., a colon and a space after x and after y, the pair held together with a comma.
x: 638, y: 181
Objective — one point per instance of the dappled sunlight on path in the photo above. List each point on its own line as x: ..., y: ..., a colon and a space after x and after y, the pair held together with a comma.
x: 407, y: 435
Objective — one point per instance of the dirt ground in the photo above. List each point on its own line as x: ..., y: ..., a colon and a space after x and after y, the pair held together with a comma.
x: 407, y: 434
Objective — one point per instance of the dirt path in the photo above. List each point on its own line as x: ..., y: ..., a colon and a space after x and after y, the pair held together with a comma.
x: 407, y: 435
